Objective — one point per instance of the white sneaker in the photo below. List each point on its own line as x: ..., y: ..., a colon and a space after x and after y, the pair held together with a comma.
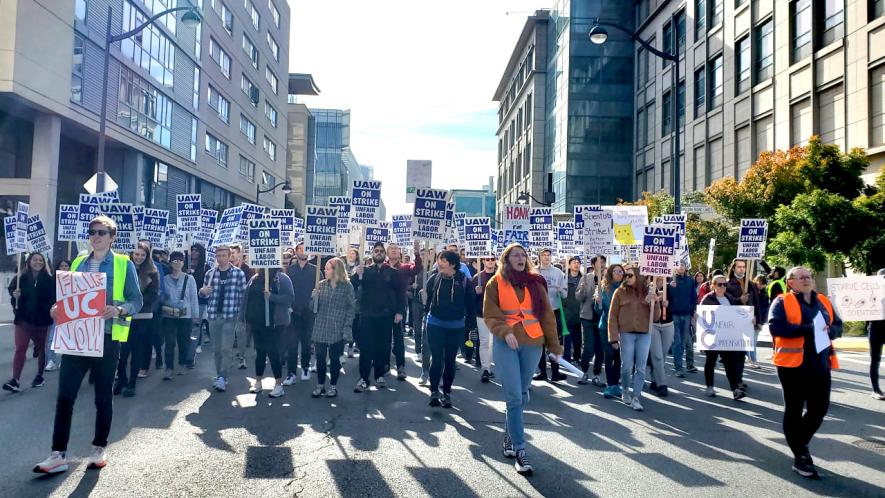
x: 50, y: 366
x: 199, y: 349
x: 256, y: 387
x: 220, y: 384
x: 98, y: 458
x: 636, y: 405
x: 627, y: 398
x: 277, y: 391
x: 711, y: 391
x: 290, y: 379
x: 54, y: 463
x: 305, y: 374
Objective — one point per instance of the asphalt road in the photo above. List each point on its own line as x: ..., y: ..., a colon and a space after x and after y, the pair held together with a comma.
x: 179, y: 439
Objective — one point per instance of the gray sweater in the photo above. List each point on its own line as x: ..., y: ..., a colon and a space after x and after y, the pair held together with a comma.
x: 171, y: 294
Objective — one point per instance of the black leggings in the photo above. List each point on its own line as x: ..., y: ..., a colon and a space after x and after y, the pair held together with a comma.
x: 877, y: 338
x: 444, y: 348
x: 809, y: 389
x: 136, y: 351
x: 334, y: 352
x: 177, y: 331
x: 542, y: 362
x: 267, y: 347
x: 734, y: 366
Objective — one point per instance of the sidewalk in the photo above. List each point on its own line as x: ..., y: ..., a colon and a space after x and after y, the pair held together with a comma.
x: 852, y: 344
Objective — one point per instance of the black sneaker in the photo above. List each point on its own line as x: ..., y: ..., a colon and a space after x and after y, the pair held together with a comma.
x: 540, y: 376
x: 484, y: 378
x: 691, y: 369
x: 508, y: 446
x: 38, y: 381
x: 522, y: 464
x: 805, y: 467
x: 118, y: 386
x: 446, y: 400
x: 12, y: 386
x: 434, y: 399
x: 128, y: 392
x: 662, y: 391
x: 159, y: 362
x: 558, y: 376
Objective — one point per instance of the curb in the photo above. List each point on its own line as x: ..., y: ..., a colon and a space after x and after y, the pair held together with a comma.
x: 852, y: 344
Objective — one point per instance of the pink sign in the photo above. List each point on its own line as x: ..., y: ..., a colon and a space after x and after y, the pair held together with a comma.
x: 80, y: 301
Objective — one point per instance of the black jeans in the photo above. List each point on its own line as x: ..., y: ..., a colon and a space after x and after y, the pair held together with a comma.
x: 612, y: 361
x: 157, y: 336
x: 877, y: 338
x: 73, y: 369
x: 177, y: 330
x: 542, y: 363
x: 399, y: 345
x: 417, y: 317
x: 374, y: 344
x: 334, y: 352
x: 298, y: 334
x: 573, y: 342
x: 136, y: 351
x: 733, y: 362
x: 444, y: 349
x: 267, y: 347
x: 803, y: 388
x: 593, y: 346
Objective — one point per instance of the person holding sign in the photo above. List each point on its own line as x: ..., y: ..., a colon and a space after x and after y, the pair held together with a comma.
x: 803, y: 324
x: 518, y: 313
x: 731, y: 359
x: 181, y: 312
x: 138, y: 347
x: 405, y: 272
x: 33, y: 294
x: 303, y: 276
x: 125, y: 300
x: 336, y: 308
x: 223, y: 288
x: 279, y: 294
x: 628, y: 330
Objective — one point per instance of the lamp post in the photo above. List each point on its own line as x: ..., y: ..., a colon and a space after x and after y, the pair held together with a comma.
x: 191, y: 18
x: 599, y: 35
x: 524, y: 199
x: 258, y: 190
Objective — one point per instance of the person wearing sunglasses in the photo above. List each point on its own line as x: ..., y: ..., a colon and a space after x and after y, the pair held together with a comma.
x: 181, y: 311
x: 122, y: 302
x: 730, y: 359
x: 613, y: 279
x: 628, y: 330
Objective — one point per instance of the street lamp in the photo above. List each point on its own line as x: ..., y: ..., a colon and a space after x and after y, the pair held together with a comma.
x: 258, y: 190
x: 599, y: 35
x: 191, y: 18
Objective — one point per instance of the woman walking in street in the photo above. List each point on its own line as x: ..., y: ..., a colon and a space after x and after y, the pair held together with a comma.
x: 572, y: 309
x: 33, y: 294
x: 53, y: 361
x: 181, y: 311
x: 517, y: 311
x: 614, y: 276
x: 628, y: 330
x: 267, y: 312
x: 336, y: 307
x: 731, y: 359
x: 137, y: 349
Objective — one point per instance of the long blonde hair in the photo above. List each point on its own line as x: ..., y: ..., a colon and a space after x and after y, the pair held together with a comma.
x: 339, y: 273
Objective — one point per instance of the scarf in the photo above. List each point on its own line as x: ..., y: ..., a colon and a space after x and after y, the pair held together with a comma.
x: 536, y: 285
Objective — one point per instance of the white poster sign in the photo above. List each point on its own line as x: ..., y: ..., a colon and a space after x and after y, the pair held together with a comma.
x: 418, y: 175
x: 858, y: 299
x: 725, y: 328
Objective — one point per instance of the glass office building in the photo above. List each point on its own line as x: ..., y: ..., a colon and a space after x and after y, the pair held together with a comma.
x: 332, y: 144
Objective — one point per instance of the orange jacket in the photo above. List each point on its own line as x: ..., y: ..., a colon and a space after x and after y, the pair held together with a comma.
x: 789, y: 351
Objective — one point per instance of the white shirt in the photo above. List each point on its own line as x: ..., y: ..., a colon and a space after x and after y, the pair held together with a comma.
x: 557, y: 286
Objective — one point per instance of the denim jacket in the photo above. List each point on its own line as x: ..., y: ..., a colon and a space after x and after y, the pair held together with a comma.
x: 131, y: 291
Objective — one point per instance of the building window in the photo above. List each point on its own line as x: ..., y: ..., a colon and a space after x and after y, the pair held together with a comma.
x: 220, y: 57
x: 877, y: 104
x: 831, y: 115
x: 680, y: 31
x: 270, y: 148
x: 717, y: 170
x: 667, y: 39
x: 247, y: 169
x: 700, y: 18
x: 800, y: 12
x: 157, y: 6
x: 641, y: 126
x: 801, y: 126
x: 877, y: 8
x: 144, y: 109
x: 217, y: 149
x: 249, y: 89
x: 253, y: 14
x: 699, y: 179
x: 250, y: 50
x: 764, y: 136
x: 274, y: 48
x: 716, y: 13
x: 642, y: 66
x: 198, y: 43
x: 666, y: 113
x: 743, y: 65
x: 680, y: 103
x: 271, y: 113
x: 247, y: 128
x: 193, y: 139
x: 742, y: 151
x: 764, y: 51
x: 150, y: 49
x: 219, y: 103
x: 196, y: 98
x: 528, y: 111
x: 716, y: 82
x: 271, y: 79
x: 831, y: 28
x: 80, y: 7
x: 268, y: 179
x: 77, y: 70
x: 738, y: 3
x: 227, y: 19
x: 700, y: 91
x: 650, y: 123
x: 274, y: 13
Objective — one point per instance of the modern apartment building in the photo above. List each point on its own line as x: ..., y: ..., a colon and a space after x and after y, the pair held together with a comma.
x: 301, y: 149
x: 190, y: 108
x: 755, y: 75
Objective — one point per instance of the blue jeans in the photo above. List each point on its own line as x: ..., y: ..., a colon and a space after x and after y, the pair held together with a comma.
x: 682, y: 342
x: 634, y: 352
x: 514, y: 369
x: 50, y: 354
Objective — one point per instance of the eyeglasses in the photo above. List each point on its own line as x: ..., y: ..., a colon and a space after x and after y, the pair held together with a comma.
x: 629, y: 275
x: 618, y: 272
x: 721, y: 284
x: 804, y: 277
x: 100, y: 233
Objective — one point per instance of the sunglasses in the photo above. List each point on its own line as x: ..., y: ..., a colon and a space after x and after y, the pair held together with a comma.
x: 629, y: 275
x: 100, y: 233
x: 720, y: 284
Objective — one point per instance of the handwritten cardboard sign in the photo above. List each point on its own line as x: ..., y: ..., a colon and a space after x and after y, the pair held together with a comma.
x: 79, y: 327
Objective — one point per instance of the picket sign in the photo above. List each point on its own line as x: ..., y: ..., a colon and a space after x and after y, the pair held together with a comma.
x: 80, y: 301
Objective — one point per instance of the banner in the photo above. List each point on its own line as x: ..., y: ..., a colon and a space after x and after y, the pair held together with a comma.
x: 122, y: 215
x: 751, y: 240
x: 79, y: 327
x: 154, y: 226
x: 580, y: 225
x: 265, y: 243
x: 541, y: 227
x: 208, y: 222
x: 597, y: 236
x: 710, y: 251
x: 402, y: 229
x: 429, y: 215
x: 377, y: 232
x: 89, y: 207
x: 478, y: 237
x: 9, y: 224
x: 365, y: 202
x: 138, y: 215
x: 418, y: 175
x: 68, y: 223
x: 658, y: 251
x: 287, y: 224
x: 516, y: 224
x: 725, y: 328
x: 343, y: 205
x: 189, y: 213
x: 320, y: 230
x: 227, y: 231
x: 565, y: 237
x: 858, y: 299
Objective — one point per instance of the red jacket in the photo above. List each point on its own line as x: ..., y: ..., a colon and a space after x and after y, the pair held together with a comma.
x: 407, y: 271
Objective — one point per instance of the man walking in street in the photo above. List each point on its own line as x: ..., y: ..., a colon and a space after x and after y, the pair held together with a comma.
x: 405, y: 272
x: 683, y: 300
x: 303, y: 277
x: 557, y: 288
x: 223, y: 288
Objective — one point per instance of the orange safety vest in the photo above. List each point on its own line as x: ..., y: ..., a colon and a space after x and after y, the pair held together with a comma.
x: 516, y: 311
x: 788, y: 351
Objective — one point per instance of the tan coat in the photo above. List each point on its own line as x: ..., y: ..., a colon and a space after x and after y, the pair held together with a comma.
x: 497, y: 323
x: 629, y: 313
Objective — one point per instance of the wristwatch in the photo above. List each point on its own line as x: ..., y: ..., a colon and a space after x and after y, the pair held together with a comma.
x: 120, y: 311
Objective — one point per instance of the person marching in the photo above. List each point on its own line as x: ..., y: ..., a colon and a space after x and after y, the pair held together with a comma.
x: 802, y: 324
x: 137, y: 349
x: 449, y: 310
x: 405, y: 272
x: 572, y: 308
x: 381, y: 297
x: 588, y: 295
x: 730, y: 359
x: 352, y: 260
x: 125, y: 297
x: 556, y: 288
x: 613, y: 279
x: 518, y: 313
x: 33, y: 294
x: 260, y: 307
x: 53, y: 361
x: 303, y: 276
x: 181, y: 312
x: 479, y: 281
x: 223, y: 288
x: 682, y: 296
x: 336, y: 306
x: 876, y: 333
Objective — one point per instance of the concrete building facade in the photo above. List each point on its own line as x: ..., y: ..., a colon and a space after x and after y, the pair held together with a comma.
x: 301, y: 148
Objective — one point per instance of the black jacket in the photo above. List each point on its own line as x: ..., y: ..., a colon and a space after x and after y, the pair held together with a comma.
x: 303, y: 282
x: 481, y: 279
x: 37, y: 298
x: 450, y: 298
x: 381, y: 292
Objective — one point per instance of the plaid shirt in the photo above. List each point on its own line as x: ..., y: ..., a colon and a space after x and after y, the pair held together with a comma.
x: 334, y: 318
x: 233, y: 293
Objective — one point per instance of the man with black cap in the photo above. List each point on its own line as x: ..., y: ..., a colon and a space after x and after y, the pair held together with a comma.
x: 382, y: 295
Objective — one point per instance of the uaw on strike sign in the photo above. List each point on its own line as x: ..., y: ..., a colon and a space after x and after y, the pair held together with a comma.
x: 80, y: 301
x: 658, y: 250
